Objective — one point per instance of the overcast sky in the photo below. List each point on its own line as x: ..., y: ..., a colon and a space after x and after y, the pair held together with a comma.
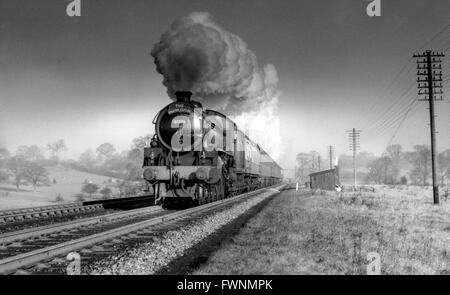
x: 91, y: 79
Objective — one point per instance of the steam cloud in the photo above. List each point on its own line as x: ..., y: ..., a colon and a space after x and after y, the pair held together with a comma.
x: 196, y: 54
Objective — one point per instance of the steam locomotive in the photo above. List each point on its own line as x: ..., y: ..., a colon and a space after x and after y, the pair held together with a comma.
x: 199, y: 156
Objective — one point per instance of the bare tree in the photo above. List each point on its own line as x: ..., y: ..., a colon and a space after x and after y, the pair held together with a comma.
x: 421, y: 160
x: 90, y: 188
x: 87, y: 158
x: 17, y: 167
x: 382, y: 170
x: 314, y: 161
x: 4, y: 157
x: 141, y: 141
x: 106, y: 192
x: 56, y: 148
x: 303, y: 167
x: 105, y: 151
x: 35, y: 174
x: 4, y: 154
x: 126, y: 188
x: 395, y: 152
x: 135, y: 157
x: 443, y: 160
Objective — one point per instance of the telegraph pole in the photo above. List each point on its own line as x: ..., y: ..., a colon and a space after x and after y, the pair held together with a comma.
x: 353, y: 136
x: 429, y: 66
x: 330, y: 151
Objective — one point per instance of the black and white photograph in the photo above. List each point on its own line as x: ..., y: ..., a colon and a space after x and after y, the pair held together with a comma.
x: 219, y: 144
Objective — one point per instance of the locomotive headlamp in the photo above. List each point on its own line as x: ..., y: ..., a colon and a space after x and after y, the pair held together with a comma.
x: 149, y: 174
x: 201, y: 174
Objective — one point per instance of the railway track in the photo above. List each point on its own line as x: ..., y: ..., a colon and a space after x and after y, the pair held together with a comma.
x: 7, y: 216
x: 27, y: 246
x: 30, y: 251
x: 25, y: 214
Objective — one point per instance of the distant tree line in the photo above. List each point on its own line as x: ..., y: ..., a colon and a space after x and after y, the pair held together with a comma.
x: 394, y: 166
x: 26, y: 165
x: 126, y: 165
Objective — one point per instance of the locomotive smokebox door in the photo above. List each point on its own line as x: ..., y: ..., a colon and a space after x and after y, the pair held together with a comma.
x: 179, y: 125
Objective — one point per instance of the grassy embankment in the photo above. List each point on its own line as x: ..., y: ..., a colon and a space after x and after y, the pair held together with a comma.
x: 68, y: 185
x: 320, y: 233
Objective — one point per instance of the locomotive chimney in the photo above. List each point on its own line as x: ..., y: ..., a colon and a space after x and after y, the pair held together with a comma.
x: 183, y: 96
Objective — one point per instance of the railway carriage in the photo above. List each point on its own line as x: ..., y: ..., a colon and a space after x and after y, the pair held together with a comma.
x: 198, y: 156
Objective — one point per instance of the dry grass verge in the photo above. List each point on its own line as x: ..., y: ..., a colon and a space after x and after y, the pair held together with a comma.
x: 322, y: 233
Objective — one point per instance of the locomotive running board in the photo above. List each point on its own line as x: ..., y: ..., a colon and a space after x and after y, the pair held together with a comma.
x: 184, y: 172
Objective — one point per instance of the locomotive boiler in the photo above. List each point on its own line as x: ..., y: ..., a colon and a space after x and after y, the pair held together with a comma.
x: 198, y: 156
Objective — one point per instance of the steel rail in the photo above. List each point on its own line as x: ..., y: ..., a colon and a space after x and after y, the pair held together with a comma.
x: 38, y: 209
x: 28, y: 215
x: 26, y: 259
x: 53, y: 228
x: 21, y: 214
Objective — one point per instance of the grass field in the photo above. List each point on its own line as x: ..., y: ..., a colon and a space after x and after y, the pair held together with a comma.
x: 321, y: 233
x: 68, y: 184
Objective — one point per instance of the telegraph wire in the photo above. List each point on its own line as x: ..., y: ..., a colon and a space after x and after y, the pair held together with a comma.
x: 372, y: 122
x: 386, y: 127
x: 401, y: 122
x: 398, y: 104
x: 393, y: 104
x: 393, y: 120
x: 376, y: 100
x: 435, y: 36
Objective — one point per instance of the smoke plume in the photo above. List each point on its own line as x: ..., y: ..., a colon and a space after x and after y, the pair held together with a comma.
x: 196, y: 54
